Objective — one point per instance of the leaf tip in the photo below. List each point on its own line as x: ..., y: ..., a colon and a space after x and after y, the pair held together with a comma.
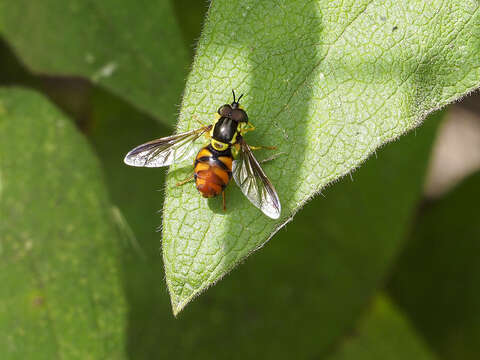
x: 178, y: 306
x: 176, y: 309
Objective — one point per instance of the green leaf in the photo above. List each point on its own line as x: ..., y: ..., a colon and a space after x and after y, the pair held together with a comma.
x: 190, y: 15
x: 325, y: 83
x: 327, y: 280
x: 316, y: 279
x: 384, y: 334
x: 282, y: 294
x: 117, y: 128
x: 61, y: 296
x: 135, y: 50
x: 437, y: 278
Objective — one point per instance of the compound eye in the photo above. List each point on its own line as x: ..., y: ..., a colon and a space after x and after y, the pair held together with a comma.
x: 225, y: 110
x: 239, y: 115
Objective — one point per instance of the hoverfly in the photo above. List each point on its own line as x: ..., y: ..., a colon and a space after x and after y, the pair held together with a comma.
x: 225, y: 155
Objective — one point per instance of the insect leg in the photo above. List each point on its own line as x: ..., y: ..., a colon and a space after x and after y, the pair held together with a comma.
x: 195, y: 117
x: 251, y: 127
x: 262, y: 147
x: 236, y: 150
x: 273, y: 157
x: 207, y: 133
x: 223, y: 197
x: 246, y: 128
x: 183, y: 182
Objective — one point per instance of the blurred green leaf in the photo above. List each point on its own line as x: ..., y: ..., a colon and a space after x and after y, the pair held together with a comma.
x: 61, y: 295
x: 138, y: 192
x: 11, y: 71
x: 327, y: 83
x: 190, y: 15
x: 438, y: 276
x: 384, y: 334
x: 135, y: 49
x: 317, y: 278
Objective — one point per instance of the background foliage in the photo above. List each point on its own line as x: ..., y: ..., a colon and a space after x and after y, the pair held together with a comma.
x: 362, y: 272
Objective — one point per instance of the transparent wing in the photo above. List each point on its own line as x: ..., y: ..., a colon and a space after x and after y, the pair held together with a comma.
x: 254, y: 184
x: 165, y: 151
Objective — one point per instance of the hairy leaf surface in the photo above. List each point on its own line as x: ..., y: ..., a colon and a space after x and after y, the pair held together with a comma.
x: 327, y: 83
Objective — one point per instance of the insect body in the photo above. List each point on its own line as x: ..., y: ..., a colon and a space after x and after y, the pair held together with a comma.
x: 225, y: 156
x: 213, y: 170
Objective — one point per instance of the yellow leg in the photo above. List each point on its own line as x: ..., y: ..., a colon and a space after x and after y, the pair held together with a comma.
x: 235, y: 150
x: 251, y: 127
x: 244, y: 130
x: 263, y: 147
x: 183, y: 182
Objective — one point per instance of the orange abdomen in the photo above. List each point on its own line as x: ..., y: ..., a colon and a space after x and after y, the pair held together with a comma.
x: 213, y: 171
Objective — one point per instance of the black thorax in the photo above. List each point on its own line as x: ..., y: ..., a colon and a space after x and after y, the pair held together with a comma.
x: 225, y: 130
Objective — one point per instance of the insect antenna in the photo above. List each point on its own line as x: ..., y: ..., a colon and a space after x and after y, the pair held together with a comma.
x: 238, y: 100
x: 233, y: 92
